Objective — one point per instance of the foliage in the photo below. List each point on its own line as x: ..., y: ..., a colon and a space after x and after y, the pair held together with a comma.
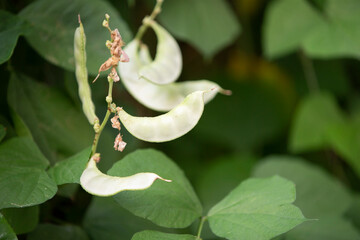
x: 278, y: 159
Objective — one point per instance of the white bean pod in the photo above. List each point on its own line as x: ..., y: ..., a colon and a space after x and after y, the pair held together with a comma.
x: 82, y: 74
x: 97, y: 183
x: 166, y: 67
x: 157, y: 97
x: 168, y: 126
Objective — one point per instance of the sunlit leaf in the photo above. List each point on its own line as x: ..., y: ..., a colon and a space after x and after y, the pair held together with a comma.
x: 257, y: 209
x: 153, y: 235
x: 207, y: 25
x: 22, y: 220
x: 23, y: 180
x: 53, y: 25
x: 172, y: 204
x: 55, y: 232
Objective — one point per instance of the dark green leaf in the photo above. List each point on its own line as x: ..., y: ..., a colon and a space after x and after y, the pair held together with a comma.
x: 11, y: 27
x: 116, y: 222
x: 153, y: 235
x: 6, y: 232
x: 22, y: 220
x: 287, y: 23
x: 54, y: 23
x: 70, y: 170
x: 333, y: 228
x: 207, y: 25
x: 172, y: 204
x: 2, y: 132
x: 256, y: 209
x: 54, y: 232
x: 55, y: 124
x: 23, y: 180
x: 216, y: 180
x: 314, y: 116
x: 318, y: 194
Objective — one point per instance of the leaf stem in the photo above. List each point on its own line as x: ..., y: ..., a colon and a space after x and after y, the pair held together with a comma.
x: 144, y: 26
x: 201, y: 224
x: 106, y: 118
x: 309, y: 72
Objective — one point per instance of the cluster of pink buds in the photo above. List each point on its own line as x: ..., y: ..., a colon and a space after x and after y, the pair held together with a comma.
x: 119, y: 144
x: 117, y: 53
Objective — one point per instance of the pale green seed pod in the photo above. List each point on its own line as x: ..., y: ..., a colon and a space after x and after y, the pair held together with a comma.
x: 82, y: 74
x: 157, y: 97
x: 167, y: 66
x: 97, y: 183
x: 168, y: 126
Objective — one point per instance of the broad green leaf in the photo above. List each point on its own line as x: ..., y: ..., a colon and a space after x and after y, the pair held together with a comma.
x: 55, y: 124
x: 11, y: 27
x: 217, y: 179
x: 168, y: 126
x: 314, y: 116
x: 55, y: 232
x: 172, y: 204
x: 22, y: 220
x: 339, y: 35
x: 333, y: 228
x: 19, y: 125
x: 70, y: 170
x: 286, y: 24
x: 6, y: 232
x: 97, y: 183
x: 2, y: 132
x: 207, y: 25
x: 353, y: 213
x: 53, y: 25
x: 257, y: 209
x: 153, y: 235
x: 23, y: 180
x: 318, y: 194
x: 116, y: 222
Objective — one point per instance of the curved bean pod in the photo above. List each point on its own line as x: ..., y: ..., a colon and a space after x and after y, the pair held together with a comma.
x: 166, y: 67
x: 168, y: 126
x: 82, y: 74
x: 95, y: 182
x: 161, y: 98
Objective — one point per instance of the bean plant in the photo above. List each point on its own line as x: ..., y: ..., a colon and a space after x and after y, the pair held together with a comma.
x: 102, y: 93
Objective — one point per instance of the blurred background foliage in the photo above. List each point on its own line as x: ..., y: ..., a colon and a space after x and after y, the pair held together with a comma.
x: 293, y: 68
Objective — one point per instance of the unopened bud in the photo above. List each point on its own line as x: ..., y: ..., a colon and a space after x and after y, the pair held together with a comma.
x: 108, y: 44
x: 108, y: 99
x: 107, y: 16
x: 105, y: 23
x: 97, y: 127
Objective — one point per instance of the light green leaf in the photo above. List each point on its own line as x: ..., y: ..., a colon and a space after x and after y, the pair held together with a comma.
x: 207, y: 25
x: 315, y: 115
x: 153, y: 235
x: 11, y: 27
x: 2, y: 132
x: 339, y: 36
x: 286, y: 24
x: 257, y: 209
x: 23, y: 180
x: 70, y: 170
x: 97, y: 183
x: 55, y: 232
x: 6, y: 231
x: 116, y: 222
x: 318, y: 194
x: 22, y: 220
x: 168, y: 126
x: 55, y: 124
x: 333, y: 228
x: 172, y: 205
x: 54, y: 24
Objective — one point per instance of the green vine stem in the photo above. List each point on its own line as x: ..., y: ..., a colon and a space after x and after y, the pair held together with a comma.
x: 98, y: 129
x: 309, y: 71
x: 201, y: 224
x: 144, y: 26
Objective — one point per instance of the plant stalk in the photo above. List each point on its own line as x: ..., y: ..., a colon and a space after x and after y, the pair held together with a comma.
x: 309, y: 72
x: 201, y: 224
x: 144, y: 26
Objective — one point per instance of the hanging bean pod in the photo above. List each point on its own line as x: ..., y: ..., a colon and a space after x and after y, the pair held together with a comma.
x: 161, y: 98
x: 97, y: 183
x: 168, y: 126
x: 166, y: 67
x: 82, y: 74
